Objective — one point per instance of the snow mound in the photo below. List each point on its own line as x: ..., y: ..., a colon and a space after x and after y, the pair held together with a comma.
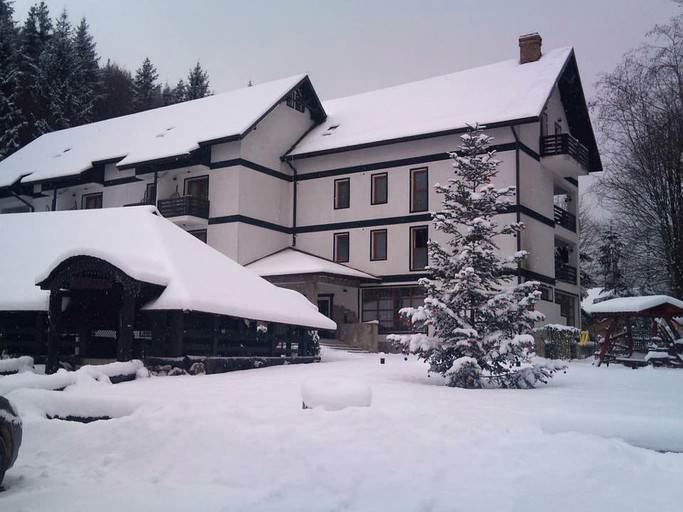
x: 335, y: 394
x: 16, y: 365
x: 653, y: 433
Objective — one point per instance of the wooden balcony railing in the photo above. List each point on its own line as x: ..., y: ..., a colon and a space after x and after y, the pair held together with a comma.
x: 565, y: 144
x: 184, y: 205
x: 565, y: 219
x: 565, y: 273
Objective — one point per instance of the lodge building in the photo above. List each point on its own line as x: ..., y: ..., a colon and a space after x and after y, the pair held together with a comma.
x: 333, y: 199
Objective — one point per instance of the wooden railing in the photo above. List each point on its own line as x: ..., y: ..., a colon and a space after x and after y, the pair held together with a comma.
x: 565, y: 144
x: 184, y: 205
x: 565, y: 219
x: 566, y: 273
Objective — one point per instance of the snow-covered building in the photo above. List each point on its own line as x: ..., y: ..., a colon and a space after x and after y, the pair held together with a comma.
x: 333, y: 198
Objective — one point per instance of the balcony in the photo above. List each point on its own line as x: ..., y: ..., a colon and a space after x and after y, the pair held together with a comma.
x: 565, y: 273
x: 186, y: 211
x: 565, y: 155
x: 565, y: 219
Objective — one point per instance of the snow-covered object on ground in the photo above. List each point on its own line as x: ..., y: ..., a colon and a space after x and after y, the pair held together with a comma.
x: 149, y: 248
x: 500, y: 92
x: 292, y: 261
x: 335, y: 394
x: 159, y: 133
x: 634, y: 304
x: 16, y: 365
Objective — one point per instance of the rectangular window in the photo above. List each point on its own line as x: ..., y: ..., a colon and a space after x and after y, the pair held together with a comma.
x: 197, y: 187
x: 419, y: 190
x: 567, y: 303
x: 151, y: 194
x: 383, y: 305
x: 342, y: 193
x: 379, y: 188
x: 341, y: 247
x: 418, y: 247
x: 200, y: 234
x: 546, y: 293
x: 378, y: 245
x: 91, y: 201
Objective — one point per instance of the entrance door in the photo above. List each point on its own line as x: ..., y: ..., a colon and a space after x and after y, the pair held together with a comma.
x: 325, y: 304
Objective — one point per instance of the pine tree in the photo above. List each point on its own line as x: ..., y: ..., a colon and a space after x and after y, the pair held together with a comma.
x: 610, y: 251
x: 115, y: 93
x: 87, y: 73
x: 147, y: 90
x: 476, y: 324
x: 197, y: 83
x: 172, y: 95
x: 10, y: 113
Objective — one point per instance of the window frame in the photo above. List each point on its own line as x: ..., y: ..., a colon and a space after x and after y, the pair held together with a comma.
x: 414, y: 191
x: 373, y: 244
x: 151, y: 198
x: 86, y: 197
x: 373, y: 188
x: 335, y: 246
x: 413, y: 231
x: 337, y: 195
x: 574, y: 301
x: 187, y: 181
x: 400, y: 296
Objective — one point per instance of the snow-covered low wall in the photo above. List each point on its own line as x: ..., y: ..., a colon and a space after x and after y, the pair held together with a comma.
x: 335, y: 394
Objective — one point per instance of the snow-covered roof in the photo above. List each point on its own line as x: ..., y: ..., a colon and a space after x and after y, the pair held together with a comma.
x: 496, y: 93
x: 634, y: 304
x: 291, y: 261
x: 148, y: 248
x: 165, y: 132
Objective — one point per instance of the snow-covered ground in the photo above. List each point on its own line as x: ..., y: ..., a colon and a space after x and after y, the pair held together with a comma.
x: 594, y: 439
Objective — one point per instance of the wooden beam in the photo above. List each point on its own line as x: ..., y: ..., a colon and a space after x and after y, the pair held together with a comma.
x: 124, y: 346
x: 54, y: 335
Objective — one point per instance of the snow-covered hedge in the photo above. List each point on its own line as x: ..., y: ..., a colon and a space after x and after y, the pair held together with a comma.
x: 16, y: 365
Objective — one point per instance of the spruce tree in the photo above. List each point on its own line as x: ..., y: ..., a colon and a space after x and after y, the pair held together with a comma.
x: 197, y: 83
x: 610, y: 252
x: 147, y: 90
x: 10, y: 113
x: 475, y: 324
x: 115, y: 92
x: 87, y: 73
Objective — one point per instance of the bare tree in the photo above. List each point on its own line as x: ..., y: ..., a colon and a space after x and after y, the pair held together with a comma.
x: 640, y: 117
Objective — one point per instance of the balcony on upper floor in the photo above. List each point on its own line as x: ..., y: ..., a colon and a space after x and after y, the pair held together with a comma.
x: 564, y: 155
x: 186, y: 211
x: 565, y: 219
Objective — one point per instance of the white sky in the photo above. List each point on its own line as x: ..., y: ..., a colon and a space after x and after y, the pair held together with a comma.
x: 353, y: 46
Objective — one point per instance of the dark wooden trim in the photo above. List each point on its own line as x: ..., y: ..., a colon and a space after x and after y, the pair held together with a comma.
x: 122, y: 181
x: 365, y: 223
x: 227, y: 219
x: 530, y: 152
x: 372, y: 188
x: 337, y: 201
x: 335, y: 237
x: 530, y: 275
x: 413, y: 229
x: 573, y: 181
x: 223, y: 164
x: 408, y: 279
x: 398, y: 140
x: 373, y: 232
x: 413, y: 173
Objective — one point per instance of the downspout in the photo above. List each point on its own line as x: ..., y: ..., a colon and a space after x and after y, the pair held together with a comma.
x: 518, y: 212
x: 294, y: 200
x: 22, y: 200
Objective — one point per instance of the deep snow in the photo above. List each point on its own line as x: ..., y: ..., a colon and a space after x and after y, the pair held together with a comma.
x: 241, y: 441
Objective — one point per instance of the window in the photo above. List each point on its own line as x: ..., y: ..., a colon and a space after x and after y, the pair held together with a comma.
x: 567, y: 303
x: 378, y: 188
x: 197, y: 187
x: 546, y: 293
x: 558, y: 128
x: 91, y: 201
x: 418, y: 247
x: 419, y: 190
x: 383, y: 304
x: 342, y: 193
x: 378, y: 245
x: 200, y: 234
x: 151, y: 193
x: 341, y: 247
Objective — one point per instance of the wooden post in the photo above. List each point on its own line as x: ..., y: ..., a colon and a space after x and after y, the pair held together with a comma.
x: 214, y: 346
x: 176, y: 335
x: 39, y: 333
x: 607, y: 343
x: 124, y: 347
x: 158, y: 319
x: 54, y: 335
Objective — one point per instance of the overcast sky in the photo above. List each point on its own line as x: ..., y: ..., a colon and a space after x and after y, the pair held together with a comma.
x: 353, y: 46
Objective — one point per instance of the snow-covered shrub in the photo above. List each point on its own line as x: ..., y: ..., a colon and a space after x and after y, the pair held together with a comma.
x: 475, y: 324
x: 558, y: 340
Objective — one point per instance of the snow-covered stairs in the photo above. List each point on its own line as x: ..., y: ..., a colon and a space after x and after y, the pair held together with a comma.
x: 335, y: 344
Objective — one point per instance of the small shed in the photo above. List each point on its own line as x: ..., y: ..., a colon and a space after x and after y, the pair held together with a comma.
x: 125, y: 282
x: 641, y: 330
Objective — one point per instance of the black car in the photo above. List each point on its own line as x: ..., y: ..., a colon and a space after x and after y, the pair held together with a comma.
x: 10, y: 436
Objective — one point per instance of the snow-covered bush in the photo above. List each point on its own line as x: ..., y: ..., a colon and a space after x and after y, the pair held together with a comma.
x: 558, y: 339
x: 475, y: 324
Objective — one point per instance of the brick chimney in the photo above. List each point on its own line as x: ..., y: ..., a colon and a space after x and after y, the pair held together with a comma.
x: 529, y: 48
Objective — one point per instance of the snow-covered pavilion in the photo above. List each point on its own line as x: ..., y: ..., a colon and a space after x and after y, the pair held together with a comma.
x: 126, y: 282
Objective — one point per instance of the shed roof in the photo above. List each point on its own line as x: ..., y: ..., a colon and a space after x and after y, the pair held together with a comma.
x: 637, y: 305
x: 160, y: 133
x: 498, y: 93
x: 148, y: 248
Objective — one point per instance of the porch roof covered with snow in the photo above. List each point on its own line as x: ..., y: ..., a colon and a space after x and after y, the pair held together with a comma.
x: 148, y: 248
x: 641, y: 306
x: 499, y: 94
x: 160, y: 134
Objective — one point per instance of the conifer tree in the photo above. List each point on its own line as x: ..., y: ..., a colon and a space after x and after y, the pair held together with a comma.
x: 115, y: 92
x: 147, y: 90
x: 610, y: 251
x: 10, y: 113
x: 475, y: 323
x: 87, y: 73
x: 197, y: 83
